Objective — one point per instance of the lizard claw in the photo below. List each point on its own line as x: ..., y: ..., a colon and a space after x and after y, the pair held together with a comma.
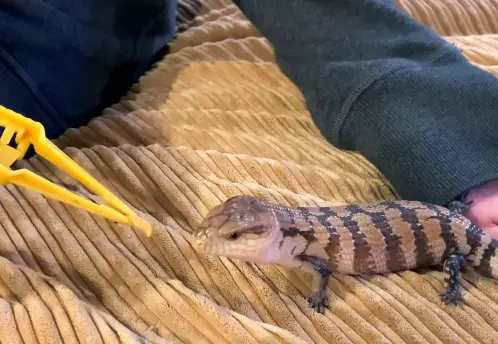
x: 451, y: 297
x: 319, y: 301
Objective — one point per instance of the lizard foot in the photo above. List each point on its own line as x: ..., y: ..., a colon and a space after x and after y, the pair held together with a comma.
x: 452, y: 297
x: 459, y: 207
x: 319, y: 301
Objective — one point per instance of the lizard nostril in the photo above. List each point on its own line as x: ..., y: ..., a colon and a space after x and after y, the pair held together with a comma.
x: 201, y: 234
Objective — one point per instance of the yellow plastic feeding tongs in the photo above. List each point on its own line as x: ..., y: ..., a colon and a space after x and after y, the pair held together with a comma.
x: 30, y: 132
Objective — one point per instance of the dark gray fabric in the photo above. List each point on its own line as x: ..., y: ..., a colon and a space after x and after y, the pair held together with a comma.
x: 62, y: 62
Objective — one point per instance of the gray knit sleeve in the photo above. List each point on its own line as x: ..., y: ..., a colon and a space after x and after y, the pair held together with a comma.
x: 378, y: 82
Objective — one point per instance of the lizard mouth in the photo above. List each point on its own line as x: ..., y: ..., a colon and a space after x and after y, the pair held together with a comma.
x: 199, y: 241
x: 200, y: 245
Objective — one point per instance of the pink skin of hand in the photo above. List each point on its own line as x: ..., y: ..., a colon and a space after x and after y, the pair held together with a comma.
x: 484, y: 209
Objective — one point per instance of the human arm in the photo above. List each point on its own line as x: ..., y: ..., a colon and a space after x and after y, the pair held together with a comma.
x: 378, y: 82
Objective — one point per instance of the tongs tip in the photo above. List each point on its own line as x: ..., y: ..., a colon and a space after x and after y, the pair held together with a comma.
x: 141, y: 224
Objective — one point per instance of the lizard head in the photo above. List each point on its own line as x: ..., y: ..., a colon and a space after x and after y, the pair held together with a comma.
x: 242, y: 228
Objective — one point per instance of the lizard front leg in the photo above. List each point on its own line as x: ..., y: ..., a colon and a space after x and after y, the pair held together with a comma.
x: 451, y: 270
x: 319, y: 299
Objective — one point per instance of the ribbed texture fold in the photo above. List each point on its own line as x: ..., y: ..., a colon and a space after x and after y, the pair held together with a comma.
x: 214, y: 119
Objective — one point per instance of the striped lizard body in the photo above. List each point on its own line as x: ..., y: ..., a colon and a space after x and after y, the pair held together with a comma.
x: 387, y: 236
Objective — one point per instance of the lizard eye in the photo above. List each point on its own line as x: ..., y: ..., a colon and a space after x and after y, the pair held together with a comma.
x: 234, y: 236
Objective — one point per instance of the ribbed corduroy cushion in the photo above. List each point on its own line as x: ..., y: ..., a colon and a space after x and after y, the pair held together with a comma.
x: 214, y: 119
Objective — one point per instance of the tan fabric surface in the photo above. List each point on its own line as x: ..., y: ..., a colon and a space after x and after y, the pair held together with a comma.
x: 216, y: 119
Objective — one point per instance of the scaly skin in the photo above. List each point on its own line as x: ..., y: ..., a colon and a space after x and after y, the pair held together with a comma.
x: 386, y: 236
